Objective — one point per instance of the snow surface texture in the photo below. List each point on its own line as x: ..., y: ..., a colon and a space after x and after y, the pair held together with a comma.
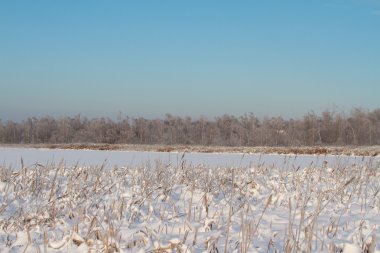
x: 162, y: 207
x: 12, y: 157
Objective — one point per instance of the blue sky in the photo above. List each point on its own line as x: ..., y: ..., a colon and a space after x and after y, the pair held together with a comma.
x: 193, y: 58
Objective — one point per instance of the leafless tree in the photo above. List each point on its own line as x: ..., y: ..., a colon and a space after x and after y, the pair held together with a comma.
x: 359, y: 127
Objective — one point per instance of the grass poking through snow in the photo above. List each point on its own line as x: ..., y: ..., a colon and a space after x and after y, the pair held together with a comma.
x: 164, y: 208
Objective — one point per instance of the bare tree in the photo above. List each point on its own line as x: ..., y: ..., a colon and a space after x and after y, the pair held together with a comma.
x: 360, y: 127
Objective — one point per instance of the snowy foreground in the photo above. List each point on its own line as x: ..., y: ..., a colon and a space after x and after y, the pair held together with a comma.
x: 161, y: 207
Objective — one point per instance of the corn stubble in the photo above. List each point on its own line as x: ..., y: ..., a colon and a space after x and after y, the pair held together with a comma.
x: 164, y: 208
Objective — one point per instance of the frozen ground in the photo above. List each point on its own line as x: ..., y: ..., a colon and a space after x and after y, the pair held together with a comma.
x: 187, y: 203
x: 30, y: 156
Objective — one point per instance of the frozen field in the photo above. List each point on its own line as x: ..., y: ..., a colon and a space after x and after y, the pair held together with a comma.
x: 174, y: 202
x: 12, y: 157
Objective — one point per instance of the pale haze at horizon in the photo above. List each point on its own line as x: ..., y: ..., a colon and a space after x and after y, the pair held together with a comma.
x: 196, y: 58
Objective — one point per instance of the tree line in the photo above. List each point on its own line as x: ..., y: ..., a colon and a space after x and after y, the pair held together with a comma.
x: 359, y: 127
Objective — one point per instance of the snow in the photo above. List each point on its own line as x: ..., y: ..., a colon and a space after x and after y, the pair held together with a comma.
x: 30, y: 156
x: 167, y: 202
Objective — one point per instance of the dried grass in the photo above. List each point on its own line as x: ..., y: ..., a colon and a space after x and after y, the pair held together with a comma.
x: 164, y: 208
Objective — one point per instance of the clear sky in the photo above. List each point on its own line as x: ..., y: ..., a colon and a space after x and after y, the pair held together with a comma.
x: 187, y: 58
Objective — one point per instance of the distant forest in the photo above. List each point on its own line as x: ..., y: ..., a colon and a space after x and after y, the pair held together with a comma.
x: 359, y: 127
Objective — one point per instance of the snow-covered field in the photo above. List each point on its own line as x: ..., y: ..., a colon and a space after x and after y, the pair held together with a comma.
x: 12, y: 157
x: 161, y: 202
